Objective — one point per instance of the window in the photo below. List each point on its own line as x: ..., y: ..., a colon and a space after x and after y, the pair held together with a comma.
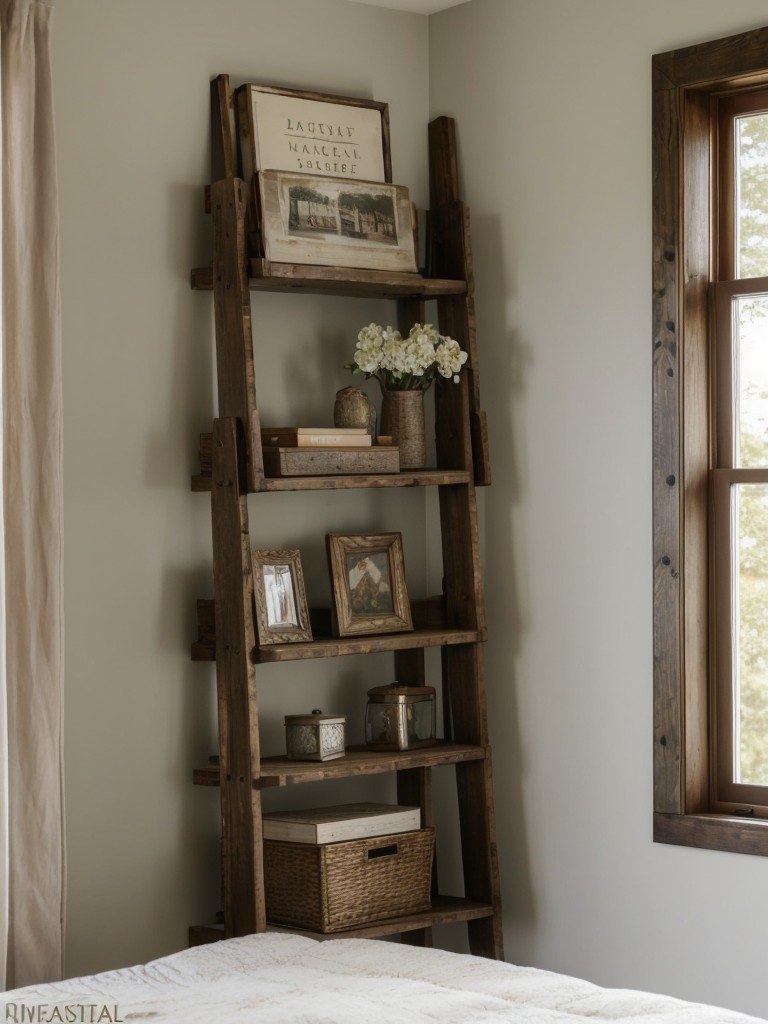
x: 710, y: 318
x: 739, y: 478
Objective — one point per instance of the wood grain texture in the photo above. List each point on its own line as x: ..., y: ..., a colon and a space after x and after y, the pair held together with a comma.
x: 444, y: 910
x: 295, y: 631
x: 232, y: 309
x: 349, y: 621
x: 414, y: 788
x: 684, y: 82
x: 223, y: 151
x: 479, y: 854
x: 668, y: 727
x: 430, y: 631
x: 451, y: 256
x: 357, y: 762
x: 710, y: 832
x: 405, y: 478
x: 317, y: 461
x: 718, y: 64
x: 236, y: 685
x: 345, y: 281
x: 682, y: 244
x: 443, y: 162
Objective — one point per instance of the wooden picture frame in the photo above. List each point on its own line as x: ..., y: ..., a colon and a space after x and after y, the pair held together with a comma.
x: 282, y: 615
x: 310, y: 132
x: 368, y: 581
x: 310, y: 219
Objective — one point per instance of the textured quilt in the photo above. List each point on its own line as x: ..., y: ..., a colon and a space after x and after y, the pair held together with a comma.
x: 277, y: 978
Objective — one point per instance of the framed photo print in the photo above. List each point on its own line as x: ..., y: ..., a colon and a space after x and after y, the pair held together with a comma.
x: 282, y: 615
x: 336, y: 223
x: 368, y: 581
x: 313, y: 133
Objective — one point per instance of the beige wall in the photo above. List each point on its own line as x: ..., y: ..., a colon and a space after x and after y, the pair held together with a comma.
x: 132, y: 107
x: 552, y: 100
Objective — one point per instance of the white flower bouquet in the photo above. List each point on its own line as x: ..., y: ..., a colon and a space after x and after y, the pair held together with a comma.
x: 406, y: 364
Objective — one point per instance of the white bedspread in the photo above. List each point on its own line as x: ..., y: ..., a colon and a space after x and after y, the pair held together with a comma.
x: 277, y: 978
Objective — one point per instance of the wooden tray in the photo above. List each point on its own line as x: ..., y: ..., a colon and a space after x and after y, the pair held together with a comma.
x: 330, y: 461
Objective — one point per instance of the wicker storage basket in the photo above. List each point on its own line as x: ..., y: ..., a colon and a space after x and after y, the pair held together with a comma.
x: 335, y: 886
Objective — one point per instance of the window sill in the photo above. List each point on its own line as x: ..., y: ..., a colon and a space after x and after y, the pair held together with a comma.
x: 727, y: 833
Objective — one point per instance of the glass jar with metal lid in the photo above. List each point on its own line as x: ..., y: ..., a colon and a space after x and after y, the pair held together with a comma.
x: 400, y: 717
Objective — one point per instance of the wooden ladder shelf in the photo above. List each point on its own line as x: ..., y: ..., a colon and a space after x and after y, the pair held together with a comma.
x: 232, y: 467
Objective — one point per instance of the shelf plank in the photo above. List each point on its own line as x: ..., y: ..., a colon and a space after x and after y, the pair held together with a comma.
x: 280, y: 771
x: 204, y: 649
x: 335, y: 647
x: 295, y: 277
x: 406, y: 478
x: 444, y: 910
x: 430, y: 630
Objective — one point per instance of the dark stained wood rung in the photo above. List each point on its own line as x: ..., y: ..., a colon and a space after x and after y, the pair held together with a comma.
x: 406, y: 478
x: 336, y: 647
x: 444, y: 910
x: 427, y: 614
x: 362, y: 481
x: 294, y: 277
x: 204, y: 648
x: 357, y: 761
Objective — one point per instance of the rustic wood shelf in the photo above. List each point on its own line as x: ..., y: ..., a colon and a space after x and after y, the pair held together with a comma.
x: 429, y: 631
x: 405, y: 478
x: 335, y: 647
x: 204, y: 649
x: 281, y: 771
x: 444, y: 910
x: 293, y: 277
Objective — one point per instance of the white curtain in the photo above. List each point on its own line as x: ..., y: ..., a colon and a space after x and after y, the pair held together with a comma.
x: 31, y: 781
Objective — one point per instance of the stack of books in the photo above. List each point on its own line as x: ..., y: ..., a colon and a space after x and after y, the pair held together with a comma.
x: 315, y: 437
x: 342, y: 822
x: 318, y: 451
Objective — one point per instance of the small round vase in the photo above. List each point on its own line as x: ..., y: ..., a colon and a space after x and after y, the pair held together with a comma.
x: 353, y: 408
x: 402, y: 416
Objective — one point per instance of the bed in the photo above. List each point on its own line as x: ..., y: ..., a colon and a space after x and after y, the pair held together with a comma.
x: 277, y: 978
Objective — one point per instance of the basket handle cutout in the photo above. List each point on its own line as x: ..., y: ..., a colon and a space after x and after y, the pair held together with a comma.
x: 383, y: 851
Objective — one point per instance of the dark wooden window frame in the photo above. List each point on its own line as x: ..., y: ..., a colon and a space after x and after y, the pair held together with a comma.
x: 685, y: 83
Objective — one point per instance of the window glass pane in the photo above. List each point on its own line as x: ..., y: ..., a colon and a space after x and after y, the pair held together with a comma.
x: 751, y: 385
x: 751, y: 636
x: 751, y: 138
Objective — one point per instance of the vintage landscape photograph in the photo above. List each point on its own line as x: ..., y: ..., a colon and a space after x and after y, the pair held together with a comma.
x: 309, y: 219
x: 365, y: 214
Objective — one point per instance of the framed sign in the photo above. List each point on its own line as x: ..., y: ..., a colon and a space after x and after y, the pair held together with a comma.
x: 313, y: 133
x: 281, y: 604
x: 335, y: 222
x: 368, y: 579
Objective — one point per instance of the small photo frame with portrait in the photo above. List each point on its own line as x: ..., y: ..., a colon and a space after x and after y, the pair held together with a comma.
x: 368, y: 580
x: 282, y: 615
